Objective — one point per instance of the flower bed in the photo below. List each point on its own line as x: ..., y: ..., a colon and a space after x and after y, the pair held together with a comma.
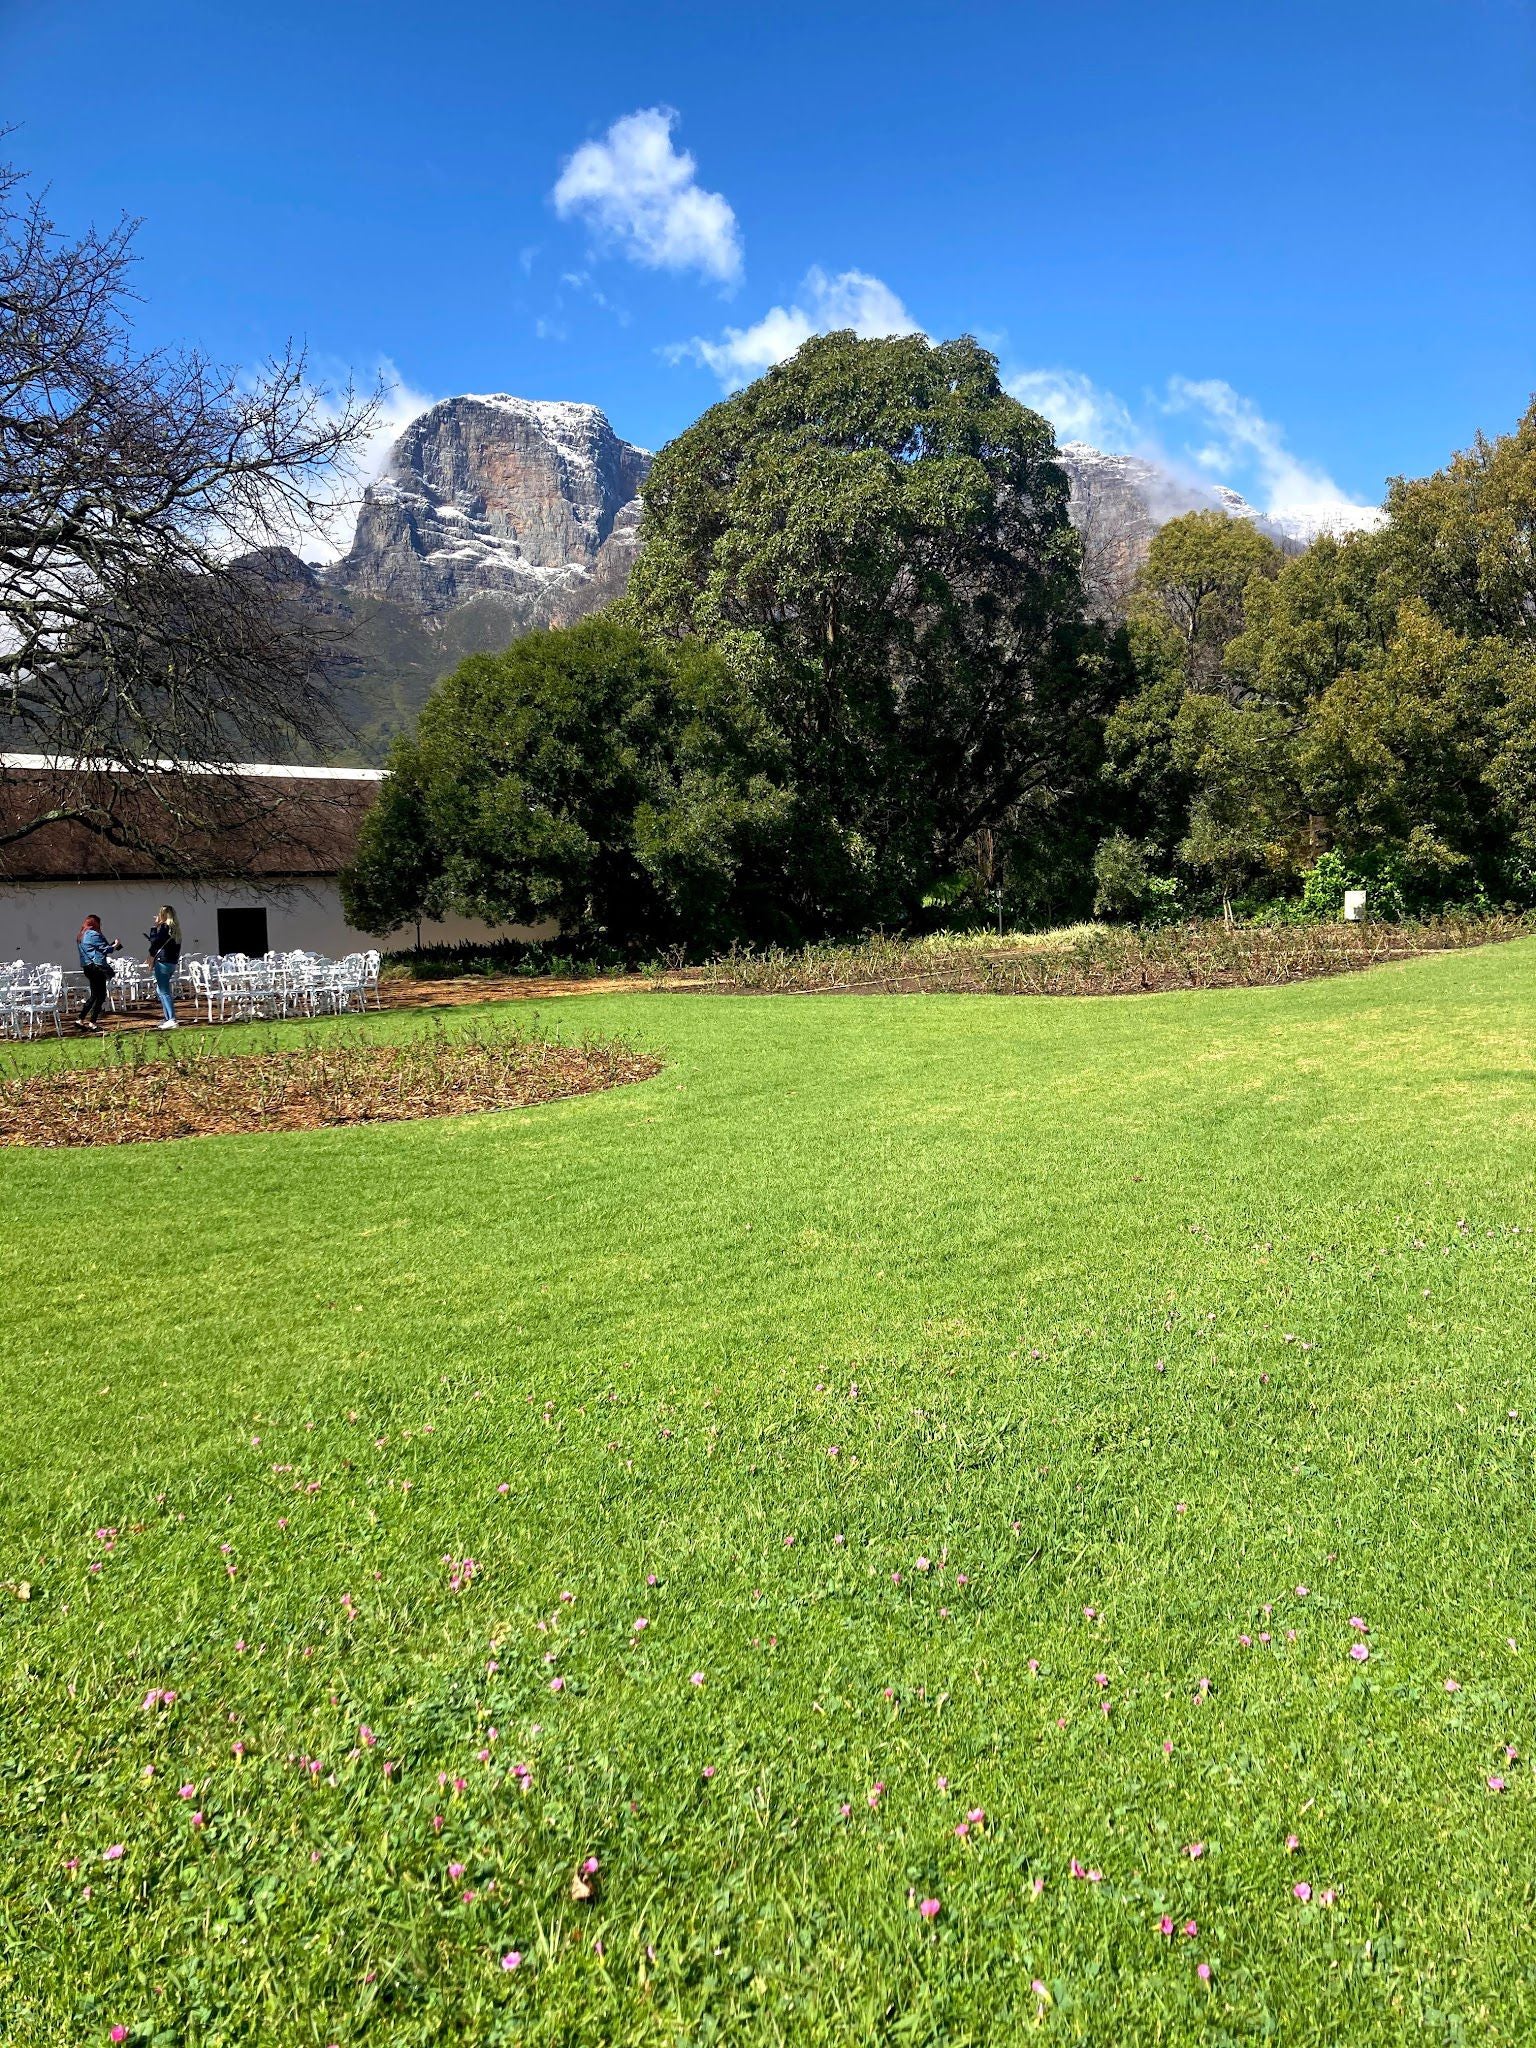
x: 1104, y: 960
x: 142, y: 1091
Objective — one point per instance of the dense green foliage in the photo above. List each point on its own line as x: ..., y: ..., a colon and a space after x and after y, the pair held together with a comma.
x: 1187, y: 1339
x: 598, y: 778
x: 876, y: 536
x: 1372, y: 701
x: 852, y: 686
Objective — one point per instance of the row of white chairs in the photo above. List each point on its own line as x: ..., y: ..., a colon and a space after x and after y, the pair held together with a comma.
x: 228, y: 987
x: 282, y: 984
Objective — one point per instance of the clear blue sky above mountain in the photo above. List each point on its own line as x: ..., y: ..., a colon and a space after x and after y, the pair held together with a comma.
x: 1293, y: 245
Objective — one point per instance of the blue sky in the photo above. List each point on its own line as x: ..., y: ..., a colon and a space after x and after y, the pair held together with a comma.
x: 1292, y: 246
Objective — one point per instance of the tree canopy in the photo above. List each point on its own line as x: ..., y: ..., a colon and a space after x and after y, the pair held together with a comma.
x: 593, y: 776
x: 1370, y: 698
x: 875, y: 537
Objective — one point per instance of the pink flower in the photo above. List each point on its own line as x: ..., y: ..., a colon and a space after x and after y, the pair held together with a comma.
x: 557, y: 1685
x: 1302, y: 1891
x: 590, y: 1867
x: 187, y: 1792
x: 1038, y: 1988
x: 1190, y: 1930
x: 113, y: 1854
x: 1165, y: 1926
x: 366, y: 1736
x: 504, y: 1487
x: 512, y: 1960
x: 1292, y: 1844
x: 1301, y: 1592
x: 929, y: 1908
x: 1101, y: 1678
x: 117, y: 2033
x: 639, y: 1624
x: 709, y: 1772
x: 1181, y: 1507
x: 697, y: 1678
x: 977, y: 1817
x: 1356, y: 1623
x: 1194, y: 1851
x: 1451, y: 1685
x: 1359, y: 1652
x: 1495, y: 1784
x: 198, y: 1821
x: 455, y: 1871
x: 1203, y: 1972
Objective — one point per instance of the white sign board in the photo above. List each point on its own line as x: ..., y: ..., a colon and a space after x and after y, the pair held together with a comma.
x: 1354, y: 905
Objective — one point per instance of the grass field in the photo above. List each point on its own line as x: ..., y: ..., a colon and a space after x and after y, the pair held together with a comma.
x: 1035, y: 1436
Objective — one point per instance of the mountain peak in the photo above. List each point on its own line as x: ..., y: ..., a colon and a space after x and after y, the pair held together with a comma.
x: 487, y: 494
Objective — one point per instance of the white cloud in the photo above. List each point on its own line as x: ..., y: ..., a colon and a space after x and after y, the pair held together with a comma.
x: 1241, y: 438
x: 824, y: 304
x: 330, y: 534
x: 1076, y: 407
x: 1230, y: 441
x: 635, y: 190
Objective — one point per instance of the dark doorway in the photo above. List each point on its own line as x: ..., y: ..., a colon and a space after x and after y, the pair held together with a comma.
x: 243, y: 931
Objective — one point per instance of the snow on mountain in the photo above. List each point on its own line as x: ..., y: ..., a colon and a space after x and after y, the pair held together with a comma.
x: 490, y: 495
x: 1119, y: 501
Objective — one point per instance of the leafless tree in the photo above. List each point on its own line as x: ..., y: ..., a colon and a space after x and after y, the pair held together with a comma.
x: 144, y: 618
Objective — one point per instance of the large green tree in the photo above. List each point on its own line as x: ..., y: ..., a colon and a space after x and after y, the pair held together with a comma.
x: 594, y: 776
x: 875, y: 537
x: 1372, y: 697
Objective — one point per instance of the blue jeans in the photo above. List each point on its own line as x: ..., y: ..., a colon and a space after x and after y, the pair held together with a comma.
x: 165, y: 974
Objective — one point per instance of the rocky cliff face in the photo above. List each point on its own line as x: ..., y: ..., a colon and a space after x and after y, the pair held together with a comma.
x: 532, y: 504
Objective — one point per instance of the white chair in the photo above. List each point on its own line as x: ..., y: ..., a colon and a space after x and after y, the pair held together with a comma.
x: 29, y: 1003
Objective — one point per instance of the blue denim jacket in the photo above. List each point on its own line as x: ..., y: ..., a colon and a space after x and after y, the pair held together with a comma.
x: 94, y: 950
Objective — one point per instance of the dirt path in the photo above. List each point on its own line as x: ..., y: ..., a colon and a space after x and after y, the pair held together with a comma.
x: 421, y: 995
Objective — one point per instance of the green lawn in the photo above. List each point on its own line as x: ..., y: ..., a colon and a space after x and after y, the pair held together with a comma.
x: 1179, y: 1335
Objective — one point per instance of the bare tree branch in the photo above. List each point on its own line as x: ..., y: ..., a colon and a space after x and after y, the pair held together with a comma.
x: 145, y: 500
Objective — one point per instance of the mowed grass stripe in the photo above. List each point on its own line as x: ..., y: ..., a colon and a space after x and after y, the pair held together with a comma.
x: 643, y: 1314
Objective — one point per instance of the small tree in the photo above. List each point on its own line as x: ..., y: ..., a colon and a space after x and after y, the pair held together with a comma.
x: 614, y: 784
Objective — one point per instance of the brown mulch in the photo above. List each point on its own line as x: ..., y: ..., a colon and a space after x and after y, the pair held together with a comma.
x: 137, y: 1093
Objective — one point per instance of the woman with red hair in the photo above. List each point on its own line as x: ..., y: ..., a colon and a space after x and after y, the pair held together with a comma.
x: 95, y: 951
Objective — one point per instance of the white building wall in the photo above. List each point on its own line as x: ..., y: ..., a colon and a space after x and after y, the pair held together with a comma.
x: 38, y: 920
